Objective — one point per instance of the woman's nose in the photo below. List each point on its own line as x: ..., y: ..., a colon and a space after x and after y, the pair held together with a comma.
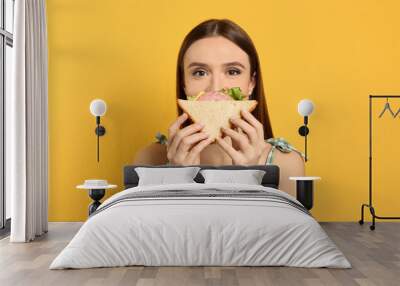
x: 216, y: 83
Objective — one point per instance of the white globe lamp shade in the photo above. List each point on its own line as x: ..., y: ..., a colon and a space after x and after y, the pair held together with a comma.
x: 98, y: 107
x: 305, y: 107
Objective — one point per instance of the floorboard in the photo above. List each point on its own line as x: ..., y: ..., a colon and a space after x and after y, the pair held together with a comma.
x: 374, y: 255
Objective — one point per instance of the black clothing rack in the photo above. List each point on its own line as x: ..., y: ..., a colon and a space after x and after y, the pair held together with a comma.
x: 369, y: 205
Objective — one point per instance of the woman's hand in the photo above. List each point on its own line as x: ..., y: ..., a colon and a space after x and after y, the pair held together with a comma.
x: 251, y: 142
x: 184, y: 145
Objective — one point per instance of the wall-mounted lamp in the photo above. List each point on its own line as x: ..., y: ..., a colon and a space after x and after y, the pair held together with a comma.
x: 98, y: 108
x: 305, y: 108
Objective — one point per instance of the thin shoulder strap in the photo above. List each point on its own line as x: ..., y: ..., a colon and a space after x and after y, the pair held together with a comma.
x: 270, y: 157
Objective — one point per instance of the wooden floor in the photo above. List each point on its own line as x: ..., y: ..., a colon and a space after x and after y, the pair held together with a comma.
x: 374, y: 255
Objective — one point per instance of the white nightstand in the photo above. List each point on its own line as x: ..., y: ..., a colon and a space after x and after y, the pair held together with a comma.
x: 304, y: 190
x: 97, y: 190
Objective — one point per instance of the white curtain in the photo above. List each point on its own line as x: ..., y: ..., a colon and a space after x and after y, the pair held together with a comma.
x: 27, y: 124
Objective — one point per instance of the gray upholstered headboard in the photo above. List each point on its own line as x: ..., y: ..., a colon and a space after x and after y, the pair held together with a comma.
x: 270, y: 179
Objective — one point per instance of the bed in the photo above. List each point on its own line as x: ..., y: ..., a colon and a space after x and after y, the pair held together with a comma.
x: 201, y: 224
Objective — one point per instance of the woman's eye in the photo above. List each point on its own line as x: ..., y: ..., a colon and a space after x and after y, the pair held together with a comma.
x: 199, y: 73
x: 234, y: 72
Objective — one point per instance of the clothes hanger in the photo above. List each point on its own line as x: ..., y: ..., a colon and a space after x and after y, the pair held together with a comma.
x: 398, y: 111
x: 387, y: 106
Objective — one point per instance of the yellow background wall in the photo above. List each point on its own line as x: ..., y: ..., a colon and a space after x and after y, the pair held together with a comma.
x: 335, y: 53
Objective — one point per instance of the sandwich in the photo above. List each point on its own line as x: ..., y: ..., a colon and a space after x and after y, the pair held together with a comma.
x: 214, y: 109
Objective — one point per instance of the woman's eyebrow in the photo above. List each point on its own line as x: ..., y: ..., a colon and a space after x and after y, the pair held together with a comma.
x: 198, y: 64
x: 235, y: 64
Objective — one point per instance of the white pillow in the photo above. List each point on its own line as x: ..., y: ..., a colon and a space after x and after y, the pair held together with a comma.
x: 162, y: 176
x: 249, y: 177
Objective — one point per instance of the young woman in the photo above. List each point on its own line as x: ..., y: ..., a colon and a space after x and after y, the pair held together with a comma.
x: 219, y: 54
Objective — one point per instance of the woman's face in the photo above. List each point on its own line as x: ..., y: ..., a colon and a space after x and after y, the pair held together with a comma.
x: 213, y: 63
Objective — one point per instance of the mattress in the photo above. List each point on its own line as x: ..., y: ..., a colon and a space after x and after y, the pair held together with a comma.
x: 201, y: 225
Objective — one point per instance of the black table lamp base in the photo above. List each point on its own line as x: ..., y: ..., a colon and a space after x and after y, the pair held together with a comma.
x: 304, y: 193
x: 96, y: 195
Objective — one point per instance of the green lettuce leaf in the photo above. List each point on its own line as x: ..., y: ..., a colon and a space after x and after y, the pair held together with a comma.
x: 234, y: 92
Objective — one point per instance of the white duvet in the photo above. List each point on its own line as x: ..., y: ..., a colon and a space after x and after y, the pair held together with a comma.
x: 200, y: 231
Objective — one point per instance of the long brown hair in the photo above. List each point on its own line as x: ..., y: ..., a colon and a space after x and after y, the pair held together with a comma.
x: 233, y: 32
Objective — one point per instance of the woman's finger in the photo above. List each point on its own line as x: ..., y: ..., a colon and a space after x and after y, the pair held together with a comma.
x: 173, y: 129
x: 240, y: 139
x: 188, y: 141
x: 254, y: 122
x: 235, y: 155
x: 177, y: 158
x: 248, y: 129
x: 195, y: 151
x: 182, y: 133
x: 228, y: 139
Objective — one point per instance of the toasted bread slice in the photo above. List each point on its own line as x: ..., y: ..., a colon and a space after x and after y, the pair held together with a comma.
x: 215, y: 114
